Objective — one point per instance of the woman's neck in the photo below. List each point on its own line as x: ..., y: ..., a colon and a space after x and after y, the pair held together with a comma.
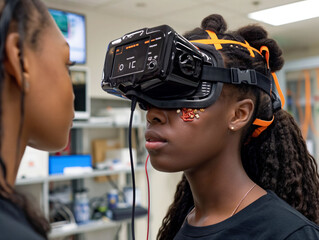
x: 11, y: 159
x: 11, y: 118
x: 217, y: 189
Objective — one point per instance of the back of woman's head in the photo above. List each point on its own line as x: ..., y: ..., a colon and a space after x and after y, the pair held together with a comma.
x: 28, y: 18
x: 278, y: 158
x: 238, y: 56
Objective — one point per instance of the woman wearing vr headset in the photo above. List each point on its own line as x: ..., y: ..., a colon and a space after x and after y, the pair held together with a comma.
x: 36, y: 105
x: 247, y: 171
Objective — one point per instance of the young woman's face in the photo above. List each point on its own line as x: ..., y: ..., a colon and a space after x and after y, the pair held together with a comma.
x: 49, y: 101
x: 175, y: 145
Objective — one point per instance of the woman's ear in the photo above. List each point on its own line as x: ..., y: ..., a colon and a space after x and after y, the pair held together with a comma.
x: 243, y: 110
x: 12, y: 61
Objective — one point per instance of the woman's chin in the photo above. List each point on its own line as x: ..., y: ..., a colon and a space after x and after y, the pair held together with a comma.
x: 55, y: 146
x: 163, y: 166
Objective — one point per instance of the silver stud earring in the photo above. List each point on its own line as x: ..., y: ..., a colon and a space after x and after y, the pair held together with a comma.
x: 232, y: 128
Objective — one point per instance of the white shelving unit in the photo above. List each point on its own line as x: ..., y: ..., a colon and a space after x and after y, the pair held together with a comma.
x: 58, y: 177
x: 84, y: 228
x: 92, y: 225
x: 44, y: 184
x: 88, y: 124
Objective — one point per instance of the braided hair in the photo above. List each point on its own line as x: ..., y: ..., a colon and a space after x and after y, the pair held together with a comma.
x: 278, y: 158
x: 28, y: 18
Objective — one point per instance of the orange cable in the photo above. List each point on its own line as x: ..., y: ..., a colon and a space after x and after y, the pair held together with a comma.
x: 305, y: 126
x: 312, y: 125
x: 266, y: 56
x: 299, y: 108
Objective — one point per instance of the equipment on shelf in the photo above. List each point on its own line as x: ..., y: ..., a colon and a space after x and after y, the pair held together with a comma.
x: 125, y: 212
x: 70, y: 164
x: 81, y: 206
x: 60, y: 215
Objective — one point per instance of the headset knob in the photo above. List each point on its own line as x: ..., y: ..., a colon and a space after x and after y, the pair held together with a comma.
x: 187, y: 64
x: 152, y: 64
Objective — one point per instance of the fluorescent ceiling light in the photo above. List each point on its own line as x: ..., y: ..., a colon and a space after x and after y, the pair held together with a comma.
x: 289, y: 13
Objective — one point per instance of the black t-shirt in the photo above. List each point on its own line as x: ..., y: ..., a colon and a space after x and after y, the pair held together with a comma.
x: 269, y: 217
x: 13, y: 223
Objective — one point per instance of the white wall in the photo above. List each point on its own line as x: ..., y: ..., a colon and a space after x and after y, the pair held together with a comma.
x: 163, y: 186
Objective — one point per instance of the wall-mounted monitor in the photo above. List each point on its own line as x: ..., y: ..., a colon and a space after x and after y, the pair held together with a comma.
x: 73, y: 28
x: 82, y: 104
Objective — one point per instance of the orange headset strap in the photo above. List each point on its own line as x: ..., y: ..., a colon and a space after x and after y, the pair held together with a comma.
x: 263, y: 126
x: 224, y: 41
x: 250, y: 49
x: 218, y: 43
x: 214, y: 40
x: 214, y: 37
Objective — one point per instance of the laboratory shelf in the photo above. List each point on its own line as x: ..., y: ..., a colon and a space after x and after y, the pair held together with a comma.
x: 61, y: 177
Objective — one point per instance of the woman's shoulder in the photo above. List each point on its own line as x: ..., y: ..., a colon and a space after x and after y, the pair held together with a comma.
x: 269, y: 217
x: 280, y: 209
x: 14, y: 224
x: 282, y: 219
x: 9, y: 210
x: 306, y: 232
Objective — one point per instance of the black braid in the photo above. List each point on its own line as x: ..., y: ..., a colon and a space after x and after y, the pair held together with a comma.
x: 284, y: 165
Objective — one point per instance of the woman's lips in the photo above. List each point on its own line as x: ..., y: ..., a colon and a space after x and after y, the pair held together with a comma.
x: 154, y: 145
x: 154, y: 141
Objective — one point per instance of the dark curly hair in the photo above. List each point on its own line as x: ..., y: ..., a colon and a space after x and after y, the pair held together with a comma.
x: 28, y: 19
x: 278, y: 158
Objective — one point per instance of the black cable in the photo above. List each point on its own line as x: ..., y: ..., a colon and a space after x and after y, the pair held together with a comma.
x: 133, y: 105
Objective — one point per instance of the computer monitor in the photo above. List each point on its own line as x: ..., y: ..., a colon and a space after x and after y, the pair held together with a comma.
x: 73, y: 28
x: 80, y: 78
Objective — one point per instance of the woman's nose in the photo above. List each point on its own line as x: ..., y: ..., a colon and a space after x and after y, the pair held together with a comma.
x: 156, y: 116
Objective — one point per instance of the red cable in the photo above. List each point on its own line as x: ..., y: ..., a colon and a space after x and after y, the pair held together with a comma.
x: 148, y: 198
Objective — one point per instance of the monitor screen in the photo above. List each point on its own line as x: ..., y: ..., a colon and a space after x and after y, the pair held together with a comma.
x: 79, y: 77
x: 72, y: 26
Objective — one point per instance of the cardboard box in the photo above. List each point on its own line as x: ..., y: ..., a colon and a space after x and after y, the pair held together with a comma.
x: 99, y: 149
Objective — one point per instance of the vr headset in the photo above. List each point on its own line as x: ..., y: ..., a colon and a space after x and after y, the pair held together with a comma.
x: 161, y: 68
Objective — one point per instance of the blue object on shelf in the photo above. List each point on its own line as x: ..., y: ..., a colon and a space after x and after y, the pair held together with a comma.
x: 58, y: 163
